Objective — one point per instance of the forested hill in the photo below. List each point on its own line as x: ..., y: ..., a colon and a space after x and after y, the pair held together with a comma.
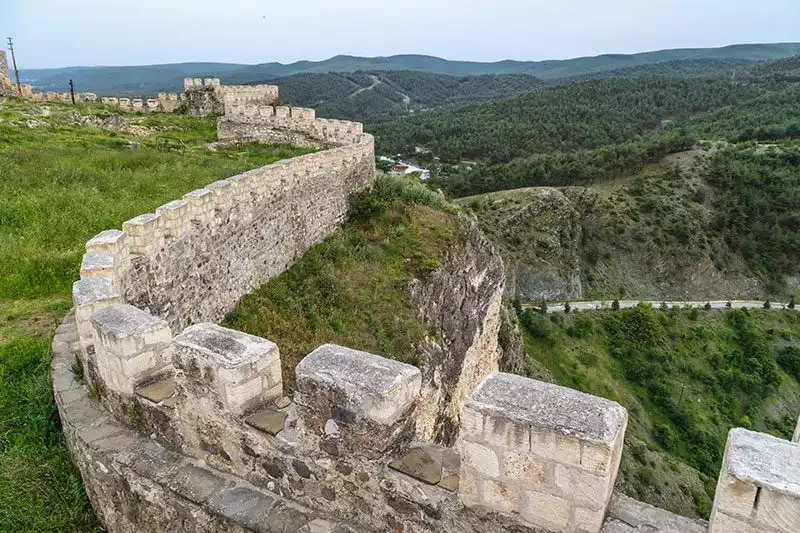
x: 575, y: 116
x: 596, y: 130
x: 150, y: 79
x: 378, y: 96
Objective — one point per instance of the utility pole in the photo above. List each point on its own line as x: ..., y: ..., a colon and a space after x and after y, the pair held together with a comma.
x: 72, y: 91
x: 14, y: 60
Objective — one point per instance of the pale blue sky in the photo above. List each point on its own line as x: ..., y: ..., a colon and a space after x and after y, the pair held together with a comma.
x: 52, y: 33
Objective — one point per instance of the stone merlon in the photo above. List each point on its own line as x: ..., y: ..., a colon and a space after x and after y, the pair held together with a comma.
x: 547, y: 406
x: 224, y: 347
x: 122, y: 321
x: 767, y: 461
x: 380, y: 388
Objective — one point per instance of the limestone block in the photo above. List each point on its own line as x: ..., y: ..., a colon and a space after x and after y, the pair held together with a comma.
x: 482, y: 459
x: 559, y: 446
x: 232, y: 362
x: 144, y: 234
x: 282, y: 111
x: 222, y: 194
x: 362, y: 400
x: 735, y: 497
x: 112, y: 240
x: 201, y: 206
x: 759, y: 485
x: 174, y: 218
x: 99, y: 265
x: 545, y: 510
x: 131, y: 346
x: 89, y: 295
x: 198, y: 82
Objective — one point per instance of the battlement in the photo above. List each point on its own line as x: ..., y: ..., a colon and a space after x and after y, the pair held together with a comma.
x: 193, y: 421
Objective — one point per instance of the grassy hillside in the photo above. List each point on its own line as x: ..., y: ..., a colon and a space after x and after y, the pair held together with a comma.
x: 686, y: 377
x: 151, y: 79
x: 61, y: 184
x: 352, y: 289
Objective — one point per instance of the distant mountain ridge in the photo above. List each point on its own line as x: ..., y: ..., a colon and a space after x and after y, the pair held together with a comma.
x: 150, y: 79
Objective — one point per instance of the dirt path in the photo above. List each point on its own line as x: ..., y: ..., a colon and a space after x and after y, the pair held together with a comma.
x: 375, y: 81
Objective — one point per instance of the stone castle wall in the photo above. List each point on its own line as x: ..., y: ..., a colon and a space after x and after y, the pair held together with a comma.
x: 4, y: 71
x: 181, y: 424
x: 209, y: 97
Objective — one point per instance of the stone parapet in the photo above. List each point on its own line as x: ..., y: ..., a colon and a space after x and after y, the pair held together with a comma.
x: 546, y: 453
x: 240, y: 371
x: 359, y: 401
x: 759, y: 485
x: 131, y: 347
x: 88, y: 296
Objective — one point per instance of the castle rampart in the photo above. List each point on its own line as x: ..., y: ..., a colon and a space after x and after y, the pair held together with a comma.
x: 188, y: 426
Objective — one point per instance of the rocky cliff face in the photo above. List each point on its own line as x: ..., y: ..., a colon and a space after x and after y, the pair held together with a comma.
x: 650, y: 238
x: 463, y: 300
x: 538, y: 232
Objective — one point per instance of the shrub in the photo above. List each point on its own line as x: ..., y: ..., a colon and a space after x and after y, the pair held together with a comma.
x: 767, y: 305
x: 791, y: 302
x: 665, y: 436
x: 587, y: 358
x: 707, y: 307
x: 789, y: 360
x: 567, y: 307
x: 615, y: 305
x: 694, y: 313
x: 728, y: 304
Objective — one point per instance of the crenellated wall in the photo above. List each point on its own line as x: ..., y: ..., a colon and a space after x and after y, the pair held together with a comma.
x: 180, y: 424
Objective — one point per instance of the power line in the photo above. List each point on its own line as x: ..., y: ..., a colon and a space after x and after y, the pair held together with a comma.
x: 14, y: 60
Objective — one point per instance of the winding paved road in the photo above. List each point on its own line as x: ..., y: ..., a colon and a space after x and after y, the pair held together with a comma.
x: 624, y: 304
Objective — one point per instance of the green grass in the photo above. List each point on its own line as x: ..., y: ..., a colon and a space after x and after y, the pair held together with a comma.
x: 59, y: 185
x: 686, y: 377
x: 352, y: 289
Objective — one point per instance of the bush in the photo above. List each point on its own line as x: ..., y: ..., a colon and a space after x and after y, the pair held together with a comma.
x: 707, y: 307
x: 767, y: 305
x: 615, y: 305
x: 791, y: 302
x: 537, y: 325
x: 694, y: 313
x: 789, y: 360
x: 567, y: 307
x: 665, y: 436
x: 587, y: 358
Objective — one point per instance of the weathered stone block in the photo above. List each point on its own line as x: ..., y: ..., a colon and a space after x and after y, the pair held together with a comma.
x: 362, y: 400
x: 548, y: 511
x: 482, y: 459
x: 796, y: 436
x: 89, y: 295
x: 112, y: 240
x: 131, y: 346
x: 201, y: 206
x: 559, y: 446
x: 145, y: 237
x: 228, y: 360
x: 174, y: 218
x: 99, y: 265
x: 759, y: 485
x: 736, y: 497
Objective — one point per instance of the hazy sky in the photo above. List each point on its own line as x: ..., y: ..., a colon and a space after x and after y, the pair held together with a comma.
x: 50, y: 33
